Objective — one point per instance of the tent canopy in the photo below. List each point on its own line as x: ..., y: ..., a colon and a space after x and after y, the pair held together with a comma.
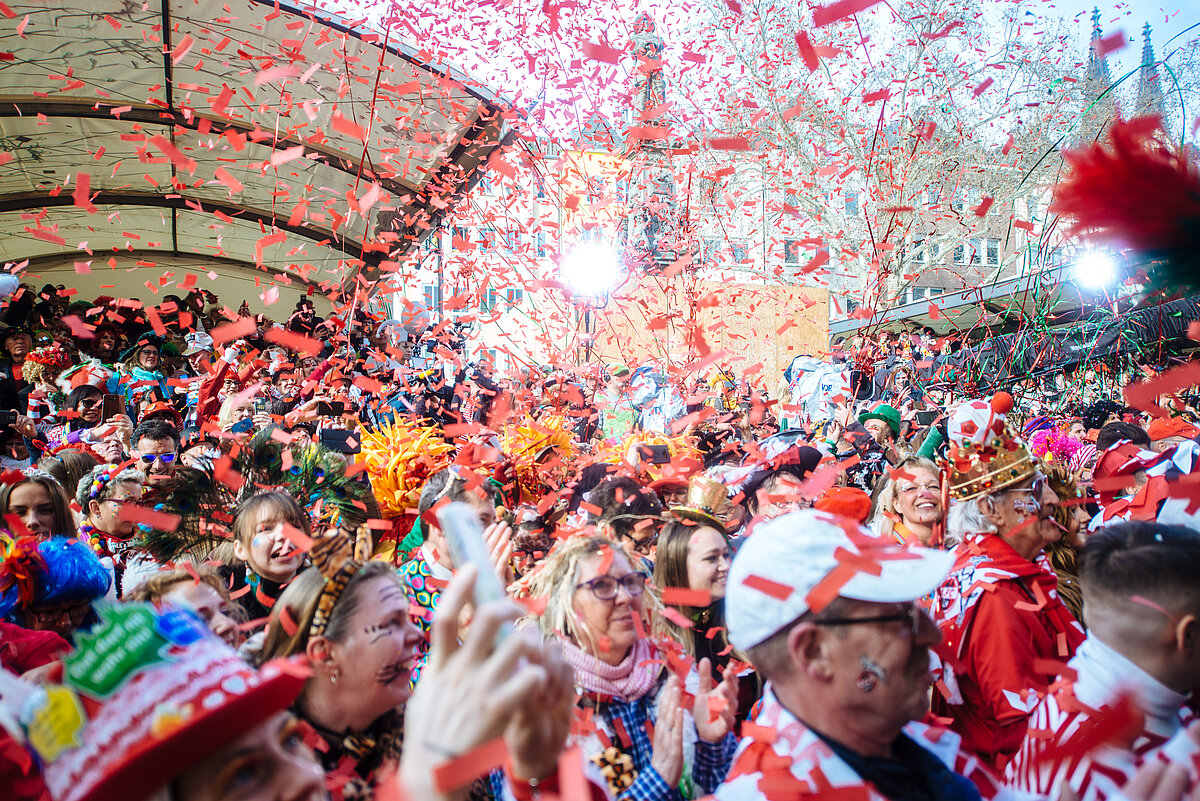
x: 246, y: 139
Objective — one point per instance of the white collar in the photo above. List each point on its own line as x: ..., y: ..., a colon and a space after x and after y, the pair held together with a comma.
x: 436, y: 568
x: 1103, y: 673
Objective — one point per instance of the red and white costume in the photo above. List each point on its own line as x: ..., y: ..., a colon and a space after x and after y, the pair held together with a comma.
x: 783, y: 758
x: 1096, y: 726
x: 1007, y: 634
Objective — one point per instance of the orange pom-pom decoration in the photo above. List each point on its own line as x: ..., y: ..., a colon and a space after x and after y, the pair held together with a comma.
x: 1002, y: 403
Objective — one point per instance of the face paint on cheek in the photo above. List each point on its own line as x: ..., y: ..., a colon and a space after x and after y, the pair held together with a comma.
x: 872, y: 674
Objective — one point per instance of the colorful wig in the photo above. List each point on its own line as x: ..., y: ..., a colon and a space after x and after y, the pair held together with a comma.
x: 53, y: 571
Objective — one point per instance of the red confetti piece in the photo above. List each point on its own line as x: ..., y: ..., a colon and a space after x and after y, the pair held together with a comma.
x: 983, y: 206
x: 983, y: 86
x: 462, y: 770
x: 824, y: 15
x: 684, y: 596
x: 162, y: 521
x: 601, y: 52
x: 766, y: 586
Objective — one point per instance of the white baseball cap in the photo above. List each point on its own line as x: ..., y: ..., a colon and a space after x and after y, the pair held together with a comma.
x: 782, y: 560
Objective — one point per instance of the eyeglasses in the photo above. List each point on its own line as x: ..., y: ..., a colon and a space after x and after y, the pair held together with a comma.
x: 910, y: 614
x: 605, y: 588
x: 1039, y: 484
x: 165, y: 458
x: 54, y: 614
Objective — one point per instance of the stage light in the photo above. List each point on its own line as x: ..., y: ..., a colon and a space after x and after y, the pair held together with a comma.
x: 591, y: 269
x: 1095, y: 269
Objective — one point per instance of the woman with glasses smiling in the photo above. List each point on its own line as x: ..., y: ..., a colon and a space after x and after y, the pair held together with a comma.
x: 596, y: 605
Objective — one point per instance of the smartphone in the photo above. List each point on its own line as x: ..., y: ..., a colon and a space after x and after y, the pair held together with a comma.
x: 338, y: 439
x: 111, y: 406
x: 927, y: 417
x: 464, y: 537
x: 655, y: 454
x: 328, y: 409
x: 242, y: 426
x: 8, y: 417
x: 260, y: 406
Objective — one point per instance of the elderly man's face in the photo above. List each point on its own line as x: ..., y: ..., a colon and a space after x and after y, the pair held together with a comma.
x: 880, y: 670
x: 1025, y: 512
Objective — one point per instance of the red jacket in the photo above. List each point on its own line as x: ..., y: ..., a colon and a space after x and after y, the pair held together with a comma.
x: 1007, y: 634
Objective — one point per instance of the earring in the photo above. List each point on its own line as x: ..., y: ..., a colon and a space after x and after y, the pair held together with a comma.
x: 334, y: 676
x: 866, y: 681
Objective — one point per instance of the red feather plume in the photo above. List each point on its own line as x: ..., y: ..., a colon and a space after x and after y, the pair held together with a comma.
x: 1137, y: 192
x: 21, y: 567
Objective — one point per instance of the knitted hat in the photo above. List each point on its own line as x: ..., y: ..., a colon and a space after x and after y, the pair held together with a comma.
x: 884, y: 412
x: 145, y: 695
x: 984, y: 458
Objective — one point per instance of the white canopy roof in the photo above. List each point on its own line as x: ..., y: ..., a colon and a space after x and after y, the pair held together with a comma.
x: 238, y: 136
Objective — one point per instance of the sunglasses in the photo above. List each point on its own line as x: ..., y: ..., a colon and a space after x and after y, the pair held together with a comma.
x: 165, y: 458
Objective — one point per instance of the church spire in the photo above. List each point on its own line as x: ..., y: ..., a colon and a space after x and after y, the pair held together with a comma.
x: 1097, y: 69
x: 1150, y: 94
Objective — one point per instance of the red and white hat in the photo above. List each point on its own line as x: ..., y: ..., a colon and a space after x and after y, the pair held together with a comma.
x: 802, y: 560
x: 145, y: 695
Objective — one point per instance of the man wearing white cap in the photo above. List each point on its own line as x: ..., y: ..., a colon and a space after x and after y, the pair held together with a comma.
x: 827, y: 614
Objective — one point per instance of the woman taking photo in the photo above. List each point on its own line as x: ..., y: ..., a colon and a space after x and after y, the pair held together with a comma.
x: 908, y: 503
x: 595, y: 600
x: 81, y: 423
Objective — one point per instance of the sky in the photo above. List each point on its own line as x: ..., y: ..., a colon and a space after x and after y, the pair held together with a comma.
x: 1166, y: 20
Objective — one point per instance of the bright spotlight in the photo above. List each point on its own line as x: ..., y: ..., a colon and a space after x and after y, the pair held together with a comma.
x: 591, y: 269
x: 1095, y: 269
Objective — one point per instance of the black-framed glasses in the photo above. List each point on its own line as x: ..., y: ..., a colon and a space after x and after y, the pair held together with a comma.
x: 165, y: 458
x: 605, y: 588
x: 910, y: 614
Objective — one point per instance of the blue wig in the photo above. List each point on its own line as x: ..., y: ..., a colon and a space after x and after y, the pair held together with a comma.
x: 72, y: 573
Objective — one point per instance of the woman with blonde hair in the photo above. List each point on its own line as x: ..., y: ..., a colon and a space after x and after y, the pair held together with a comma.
x: 908, y: 503
x: 596, y: 602
x: 202, y: 590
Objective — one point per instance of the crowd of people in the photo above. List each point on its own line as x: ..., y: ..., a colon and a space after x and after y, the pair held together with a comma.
x: 225, y: 573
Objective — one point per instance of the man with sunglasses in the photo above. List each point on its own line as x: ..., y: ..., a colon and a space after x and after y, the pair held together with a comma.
x: 827, y: 614
x: 156, y: 449
x: 1006, y: 630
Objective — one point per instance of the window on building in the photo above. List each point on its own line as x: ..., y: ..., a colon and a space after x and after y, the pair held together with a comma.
x: 933, y: 196
x: 791, y: 252
x: 489, y: 300
x: 431, y: 296
x: 514, y: 296
x: 959, y: 201
x: 960, y: 254
x: 512, y: 240
x: 851, y: 305
x: 918, y: 293
x: 792, y: 199
x: 918, y: 251
x: 741, y: 254
x: 851, y: 204
x: 993, y: 251
x: 487, y: 238
x: 541, y: 244
x: 710, y: 250
x: 461, y: 237
x: 976, y: 255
